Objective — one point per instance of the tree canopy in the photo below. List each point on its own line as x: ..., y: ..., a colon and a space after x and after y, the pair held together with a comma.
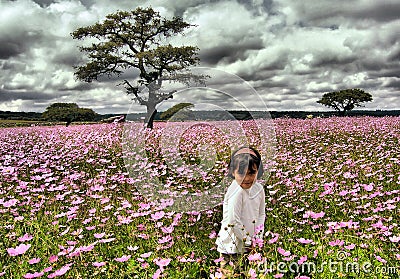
x: 345, y: 100
x: 68, y: 112
x: 136, y: 39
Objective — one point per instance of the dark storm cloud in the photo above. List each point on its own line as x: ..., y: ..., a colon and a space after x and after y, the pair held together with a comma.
x: 378, y: 10
x: 12, y: 66
x: 68, y: 58
x: 394, y: 72
x: 9, y: 95
x: 290, y: 51
x: 394, y: 56
x: 83, y: 86
x: 259, y: 8
x: 13, y: 42
x: 179, y: 7
x: 395, y: 84
x: 229, y: 53
x: 46, y: 3
x: 323, y: 13
x: 323, y: 59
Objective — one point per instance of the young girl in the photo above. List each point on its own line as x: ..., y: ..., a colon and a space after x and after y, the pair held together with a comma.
x: 244, y: 204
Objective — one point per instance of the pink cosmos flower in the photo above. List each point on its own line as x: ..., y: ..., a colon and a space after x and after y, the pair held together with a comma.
x: 350, y: 247
x: 336, y: 242
x: 283, y: 252
x: 169, y: 229
x: 394, y: 239
x: 158, y: 215
x: 107, y: 240
x: 99, y: 235
x: 254, y: 257
x: 302, y: 260
x: 98, y: 264
x: 132, y: 248
x: 304, y: 241
x: 317, y: 215
x: 10, y: 203
x: 19, y: 250
x: 258, y: 242
x: 33, y: 275
x: 60, y: 271
x: 146, y: 255
x: 212, y: 235
x: 252, y: 273
x: 162, y: 262
x: 274, y: 239
x: 122, y: 259
x: 34, y: 261
x: 380, y: 259
x: 53, y: 259
x: 24, y: 238
x: 47, y: 269
x: 315, y: 253
x: 8, y: 170
x: 217, y: 275
x: 368, y: 187
x: 279, y: 275
x: 157, y: 274
x: 165, y: 239
x: 379, y: 225
x: 98, y: 188
x: 288, y: 259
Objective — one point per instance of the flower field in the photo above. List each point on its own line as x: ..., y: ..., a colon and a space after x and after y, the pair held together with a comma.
x: 70, y: 208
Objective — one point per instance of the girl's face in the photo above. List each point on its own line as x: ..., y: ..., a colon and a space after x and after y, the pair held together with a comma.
x: 245, y: 180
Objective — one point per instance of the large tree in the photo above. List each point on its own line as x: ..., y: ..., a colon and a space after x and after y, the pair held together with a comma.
x: 345, y: 100
x: 137, y: 39
x: 68, y: 112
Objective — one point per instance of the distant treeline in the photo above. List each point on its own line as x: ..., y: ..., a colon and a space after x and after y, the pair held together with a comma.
x: 37, y: 116
x: 220, y: 115
x: 245, y: 115
x: 304, y: 114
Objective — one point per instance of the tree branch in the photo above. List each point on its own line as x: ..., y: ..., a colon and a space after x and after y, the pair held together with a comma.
x: 134, y: 90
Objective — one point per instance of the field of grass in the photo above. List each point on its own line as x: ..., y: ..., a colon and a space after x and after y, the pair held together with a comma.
x: 70, y: 208
x: 7, y: 123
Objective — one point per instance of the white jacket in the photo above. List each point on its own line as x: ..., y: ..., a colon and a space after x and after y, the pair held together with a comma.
x: 243, y: 212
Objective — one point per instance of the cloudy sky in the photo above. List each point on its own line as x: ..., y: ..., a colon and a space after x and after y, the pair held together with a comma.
x: 291, y: 52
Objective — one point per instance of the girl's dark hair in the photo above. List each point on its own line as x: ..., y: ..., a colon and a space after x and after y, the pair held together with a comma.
x: 244, y: 162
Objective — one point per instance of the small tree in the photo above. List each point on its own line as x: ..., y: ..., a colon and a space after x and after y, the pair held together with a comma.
x: 345, y: 100
x: 172, y: 110
x: 68, y: 112
x: 136, y: 39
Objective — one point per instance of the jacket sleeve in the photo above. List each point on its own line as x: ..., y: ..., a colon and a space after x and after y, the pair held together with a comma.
x: 235, y: 208
x: 261, y: 216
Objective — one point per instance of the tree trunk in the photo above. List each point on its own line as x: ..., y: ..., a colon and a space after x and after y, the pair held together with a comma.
x: 150, y: 118
x: 151, y: 109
